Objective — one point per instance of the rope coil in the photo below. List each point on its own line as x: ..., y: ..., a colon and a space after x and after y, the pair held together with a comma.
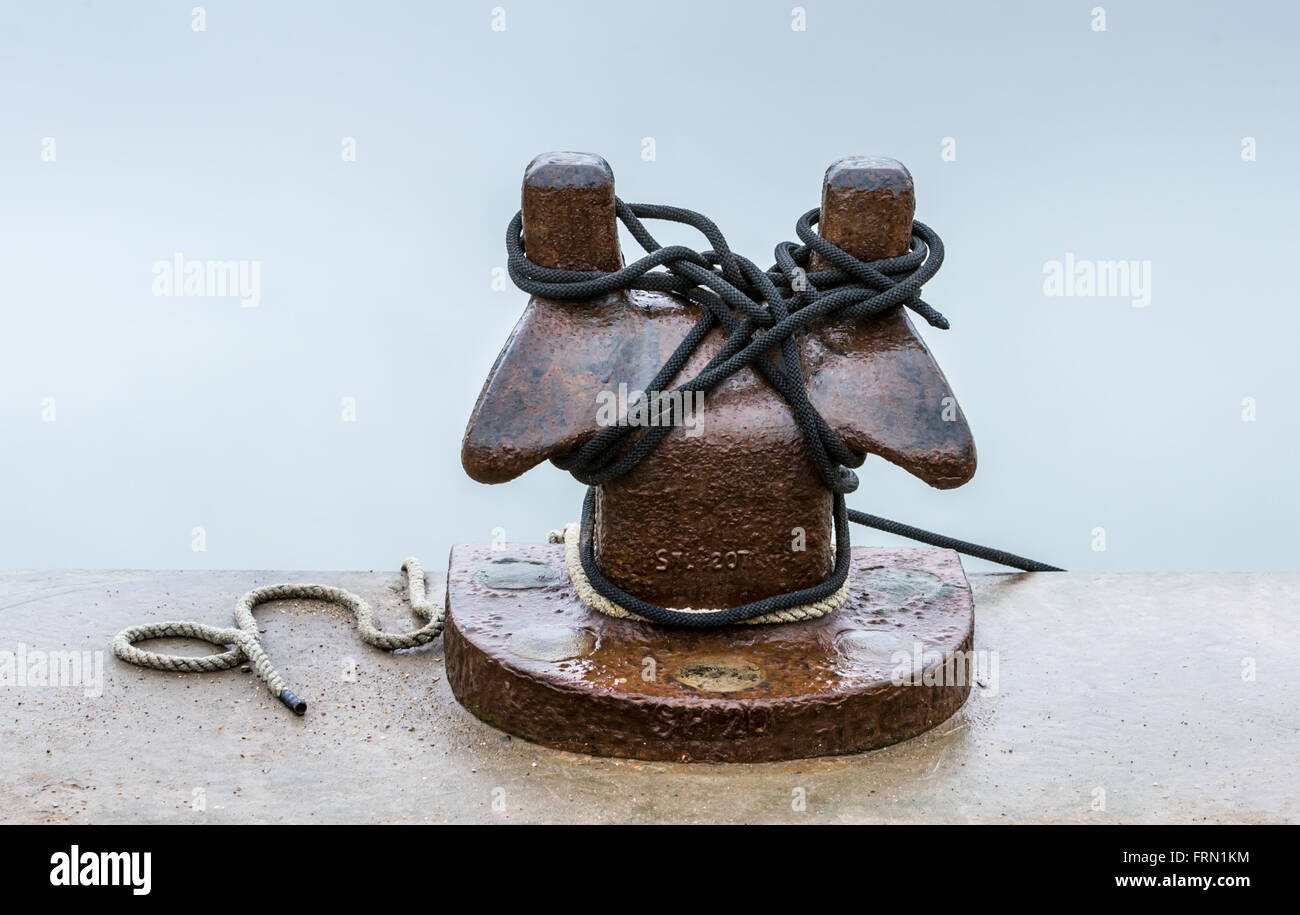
x: 761, y: 311
x: 246, y: 647
x: 571, y: 537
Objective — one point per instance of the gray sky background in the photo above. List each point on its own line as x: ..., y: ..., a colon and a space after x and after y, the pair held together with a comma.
x: 172, y: 413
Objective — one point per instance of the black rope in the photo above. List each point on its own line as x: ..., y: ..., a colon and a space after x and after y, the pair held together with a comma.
x: 761, y: 311
x: 1002, y: 557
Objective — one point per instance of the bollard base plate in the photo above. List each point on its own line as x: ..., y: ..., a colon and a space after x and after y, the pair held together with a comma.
x: 524, y: 654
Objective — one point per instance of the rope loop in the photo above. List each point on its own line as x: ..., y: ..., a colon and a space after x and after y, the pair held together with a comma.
x: 761, y: 311
x: 764, y: 313
x: 245, y: 647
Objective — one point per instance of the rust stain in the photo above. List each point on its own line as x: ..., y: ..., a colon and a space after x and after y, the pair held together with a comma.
x: 714, y: 519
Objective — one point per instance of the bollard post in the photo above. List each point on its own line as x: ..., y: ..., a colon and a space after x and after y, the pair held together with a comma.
x: 719, y: 515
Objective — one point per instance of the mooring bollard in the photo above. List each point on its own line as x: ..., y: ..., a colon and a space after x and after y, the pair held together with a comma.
x: 724, y: 512
x: 730, y: 511
x: 620, y: 636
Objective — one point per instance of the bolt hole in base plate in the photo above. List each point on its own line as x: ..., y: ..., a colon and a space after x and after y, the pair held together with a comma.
x: 524, y: 654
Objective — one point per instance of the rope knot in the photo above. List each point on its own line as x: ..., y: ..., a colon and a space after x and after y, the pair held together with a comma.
x: 761, y: 311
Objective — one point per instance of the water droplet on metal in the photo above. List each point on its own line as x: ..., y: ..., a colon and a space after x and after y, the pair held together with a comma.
x: 513, y: 574
x: 552, y: 643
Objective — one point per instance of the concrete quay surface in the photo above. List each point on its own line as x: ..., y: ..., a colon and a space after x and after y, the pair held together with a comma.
x: 1130, y: 698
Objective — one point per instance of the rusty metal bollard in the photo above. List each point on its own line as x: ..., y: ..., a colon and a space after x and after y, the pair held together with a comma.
x: 720, y: 515
x: 749, y: 517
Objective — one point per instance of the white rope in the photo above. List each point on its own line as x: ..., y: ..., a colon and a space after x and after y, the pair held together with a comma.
x: 244, y: 644
x: 602, y: 604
